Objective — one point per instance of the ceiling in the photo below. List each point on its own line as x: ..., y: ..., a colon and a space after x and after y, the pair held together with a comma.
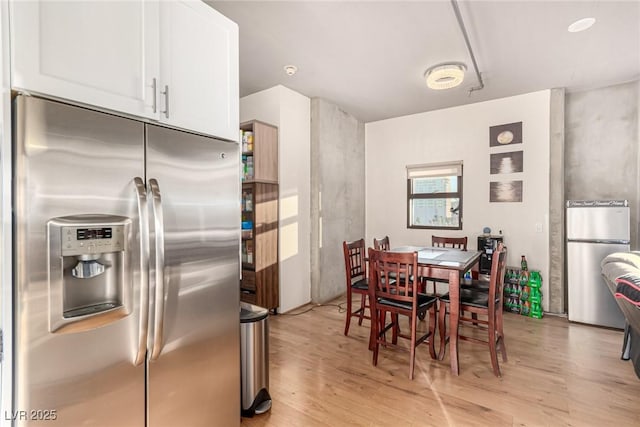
x: 370, y: 57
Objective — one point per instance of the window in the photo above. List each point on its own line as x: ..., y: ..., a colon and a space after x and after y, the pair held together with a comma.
x: 434, y: 196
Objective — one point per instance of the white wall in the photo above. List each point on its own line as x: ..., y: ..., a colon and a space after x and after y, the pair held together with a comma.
x: 290, y: 112
x: 462, y: 133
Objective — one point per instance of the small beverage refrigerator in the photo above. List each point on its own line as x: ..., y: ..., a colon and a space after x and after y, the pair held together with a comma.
x: 487, y: 245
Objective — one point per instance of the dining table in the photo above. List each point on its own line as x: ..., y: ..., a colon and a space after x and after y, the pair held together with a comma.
x: 449, y: 264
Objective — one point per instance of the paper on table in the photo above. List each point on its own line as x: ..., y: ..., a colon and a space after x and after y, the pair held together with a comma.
x: 449, y: 263
x: 429, y: 254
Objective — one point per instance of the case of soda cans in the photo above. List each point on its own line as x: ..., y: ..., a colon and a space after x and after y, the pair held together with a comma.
x: 522, y: 292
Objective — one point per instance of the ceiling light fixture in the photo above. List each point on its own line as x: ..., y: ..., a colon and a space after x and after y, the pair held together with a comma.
x: 445, y: 76
x: 290, y: 69
x: 581, y: 25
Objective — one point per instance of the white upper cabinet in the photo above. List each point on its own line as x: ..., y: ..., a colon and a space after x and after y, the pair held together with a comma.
x: 98, y: 53
x: 171, y: 61
x: 199, y: 66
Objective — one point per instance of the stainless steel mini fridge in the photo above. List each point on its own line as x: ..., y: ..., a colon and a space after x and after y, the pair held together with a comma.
x: 595, y: 229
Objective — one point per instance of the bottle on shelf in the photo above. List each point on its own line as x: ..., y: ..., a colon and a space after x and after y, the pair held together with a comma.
x: 248, y: 136
x: 249, y: 167
x: 248, y: 204
x: 249, y: 252
x: 523, y: 263
x: 243, y: 141
x: 244, y: 168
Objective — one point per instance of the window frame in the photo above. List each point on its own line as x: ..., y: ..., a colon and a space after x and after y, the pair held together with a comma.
x: 433, y: 168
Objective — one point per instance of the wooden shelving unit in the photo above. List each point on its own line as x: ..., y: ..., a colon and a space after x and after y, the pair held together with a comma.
x: 260, y: 192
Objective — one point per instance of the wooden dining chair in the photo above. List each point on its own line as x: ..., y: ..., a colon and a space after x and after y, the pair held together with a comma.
x: 482, y: 303
x: 399, y: 297
x: 356, y: 279
x: 381, y: 244
x: 443, y: 242
x: 449, y: 242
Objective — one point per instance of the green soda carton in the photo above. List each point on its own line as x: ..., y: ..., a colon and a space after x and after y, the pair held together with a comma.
x: 535, y: 297
x: 535, y: 280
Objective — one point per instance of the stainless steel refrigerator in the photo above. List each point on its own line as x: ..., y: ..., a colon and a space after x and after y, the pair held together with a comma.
x: 595, y: 229
x: 126, y: 306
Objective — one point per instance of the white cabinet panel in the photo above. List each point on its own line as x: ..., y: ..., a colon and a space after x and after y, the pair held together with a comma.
x: 199, y: 64
x: 101, y: 53
x: 111, y: 54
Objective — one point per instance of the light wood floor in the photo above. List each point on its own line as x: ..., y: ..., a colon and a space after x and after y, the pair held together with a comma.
x: 558, y: 374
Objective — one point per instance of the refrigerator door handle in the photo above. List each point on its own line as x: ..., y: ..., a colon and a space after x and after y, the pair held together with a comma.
x: 601, y: 241
x: 143, y: 217
x: 154, y: 190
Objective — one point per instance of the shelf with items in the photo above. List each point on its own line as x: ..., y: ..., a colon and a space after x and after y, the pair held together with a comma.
x: 259, y: 152
x: 247, y: 250
x: 260, y: 268
x: 259, y: 213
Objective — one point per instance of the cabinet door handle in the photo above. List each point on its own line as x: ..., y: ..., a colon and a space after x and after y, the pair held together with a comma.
x: 154, y: 86
x: 166, y: 101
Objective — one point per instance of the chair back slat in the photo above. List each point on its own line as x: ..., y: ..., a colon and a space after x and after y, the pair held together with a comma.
x: 393, y: 272
x: 381, y: 244
x: 496, y: 281
x: 449, y: 242
x: 354, y: 260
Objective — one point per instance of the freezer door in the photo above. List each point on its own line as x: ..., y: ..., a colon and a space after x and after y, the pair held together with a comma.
x: 194, y: 377
x: 73, y: 161
x: 598, y: 223
x: 590, y: 300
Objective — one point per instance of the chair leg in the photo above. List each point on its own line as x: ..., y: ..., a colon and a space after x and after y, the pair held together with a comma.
x: 382, y: 319
x: 493, y: 350
x: 499, y: 326
x: 396, y: 328
x: 362, y: 304
x: 348, y: 321
x: 375, y: 323
x: 412, y: 360
x: 432, y: 330
x: 442, y: 313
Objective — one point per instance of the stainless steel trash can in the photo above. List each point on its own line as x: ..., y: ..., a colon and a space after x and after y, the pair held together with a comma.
x: 254, y: 359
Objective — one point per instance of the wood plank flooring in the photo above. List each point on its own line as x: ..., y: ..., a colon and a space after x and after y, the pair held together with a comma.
x: 558, y: 374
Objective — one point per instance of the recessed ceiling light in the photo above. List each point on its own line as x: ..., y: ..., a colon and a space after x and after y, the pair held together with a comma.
x: 290, y: 69
x: 581, y: 25
x: 445, y: 76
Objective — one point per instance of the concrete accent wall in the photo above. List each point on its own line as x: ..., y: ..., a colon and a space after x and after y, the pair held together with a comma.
x: 290, y: 112
x: 601, y: 147
x: 337, y: 194
x: 556, y: 203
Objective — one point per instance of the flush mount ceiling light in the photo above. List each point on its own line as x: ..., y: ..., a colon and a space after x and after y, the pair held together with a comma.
x: 445, y: 76
x: 290, y: 69
x: 581, y: 25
